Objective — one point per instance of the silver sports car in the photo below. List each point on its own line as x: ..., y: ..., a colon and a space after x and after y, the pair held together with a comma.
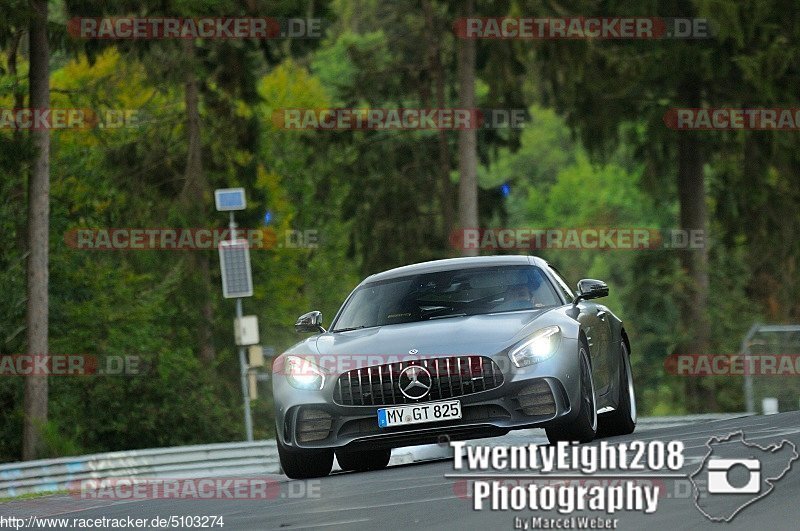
x: 452, y: 349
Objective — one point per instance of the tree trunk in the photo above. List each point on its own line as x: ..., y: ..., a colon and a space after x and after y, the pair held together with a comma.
x: 437, y: 76
x: 467, y: 139
x: 694, y: 216
x: 193, y: 197
x: 18, y: 190
x: 19, y: 95
x: 35, y: 401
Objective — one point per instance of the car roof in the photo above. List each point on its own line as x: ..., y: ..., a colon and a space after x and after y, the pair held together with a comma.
x: 456, y: 263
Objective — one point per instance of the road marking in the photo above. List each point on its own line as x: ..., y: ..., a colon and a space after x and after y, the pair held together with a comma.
x: 395, y: 504
x: 563, y: 476
x: 340, y: 522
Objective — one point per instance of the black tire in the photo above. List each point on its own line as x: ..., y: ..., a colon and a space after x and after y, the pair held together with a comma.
x: 621, y: 421
x: 584, y: 428
x: 364, y: 460
x: 305, y: 464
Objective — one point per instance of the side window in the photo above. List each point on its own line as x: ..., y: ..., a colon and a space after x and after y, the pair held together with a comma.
x: 562, y: 285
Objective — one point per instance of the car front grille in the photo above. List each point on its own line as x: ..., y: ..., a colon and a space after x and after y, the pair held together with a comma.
x: 450, y: 377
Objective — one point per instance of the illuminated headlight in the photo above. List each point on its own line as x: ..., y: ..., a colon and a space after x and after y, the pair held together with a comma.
x: 303, y: 374
x: 537, y: 348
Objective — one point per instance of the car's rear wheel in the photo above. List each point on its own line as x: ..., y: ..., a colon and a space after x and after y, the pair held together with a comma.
x: 305, y: 464
x: 622, y: 420
x: 584, y: 427
x: 364, y: 460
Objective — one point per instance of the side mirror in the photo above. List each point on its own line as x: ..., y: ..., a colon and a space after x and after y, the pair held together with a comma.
x: 589, y: 288
x: 309, y: 322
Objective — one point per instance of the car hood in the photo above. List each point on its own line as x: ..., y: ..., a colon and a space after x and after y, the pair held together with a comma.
x: 475, y: 334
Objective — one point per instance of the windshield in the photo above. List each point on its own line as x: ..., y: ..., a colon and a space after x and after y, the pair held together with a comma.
x: 445, y: 294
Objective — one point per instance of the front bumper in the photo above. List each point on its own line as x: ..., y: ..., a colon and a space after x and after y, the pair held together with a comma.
x: 529, y: 397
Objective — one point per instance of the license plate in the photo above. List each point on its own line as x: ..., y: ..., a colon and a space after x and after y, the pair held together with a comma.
x: 419, y: 413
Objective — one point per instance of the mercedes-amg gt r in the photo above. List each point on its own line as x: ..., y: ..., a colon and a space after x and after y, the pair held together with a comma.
x: 451, y: 349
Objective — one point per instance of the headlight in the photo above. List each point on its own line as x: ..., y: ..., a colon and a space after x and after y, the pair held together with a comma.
x: 303, y: 374
x: 537, y: 348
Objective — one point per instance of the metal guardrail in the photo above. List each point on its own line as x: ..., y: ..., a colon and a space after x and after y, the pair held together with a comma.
x: 678, y: 420
x: 748, y: 343
x: 210, y: 460
x: 207, y: 460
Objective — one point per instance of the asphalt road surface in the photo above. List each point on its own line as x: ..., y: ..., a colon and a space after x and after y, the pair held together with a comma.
x: 419, y: 495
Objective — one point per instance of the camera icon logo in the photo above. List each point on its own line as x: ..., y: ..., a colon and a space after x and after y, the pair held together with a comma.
x: 718, y: 482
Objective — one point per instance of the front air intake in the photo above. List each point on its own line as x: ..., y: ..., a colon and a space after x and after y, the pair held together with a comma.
x: 537, y: 399
x: 313, y: 425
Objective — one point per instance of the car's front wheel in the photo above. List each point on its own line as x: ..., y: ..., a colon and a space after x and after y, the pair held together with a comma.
x: 362, y: 461
x: 305, y: 464
x: 622, y: 420
x: 584, y: 427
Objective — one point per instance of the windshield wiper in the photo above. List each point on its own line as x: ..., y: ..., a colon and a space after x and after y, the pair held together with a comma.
x: 425, y: 312
x: 349, y: 329
x: 446, y: 316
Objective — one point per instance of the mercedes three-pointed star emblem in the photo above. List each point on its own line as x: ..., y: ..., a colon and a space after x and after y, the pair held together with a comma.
x: 415, y: 382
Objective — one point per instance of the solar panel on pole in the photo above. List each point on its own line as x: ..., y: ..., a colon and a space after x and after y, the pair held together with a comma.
x: 237, y: 277
x: 229, y: 199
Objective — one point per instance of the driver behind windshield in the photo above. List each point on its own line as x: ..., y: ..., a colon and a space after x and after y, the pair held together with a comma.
x: 517, y: 297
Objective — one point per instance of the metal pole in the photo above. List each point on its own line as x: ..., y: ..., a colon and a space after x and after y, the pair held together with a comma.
x: 748, y: 378
x: 248, y: 420
x: 748, y: 387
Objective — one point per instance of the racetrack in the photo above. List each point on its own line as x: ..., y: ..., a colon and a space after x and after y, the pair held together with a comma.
x: 419, y: 496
